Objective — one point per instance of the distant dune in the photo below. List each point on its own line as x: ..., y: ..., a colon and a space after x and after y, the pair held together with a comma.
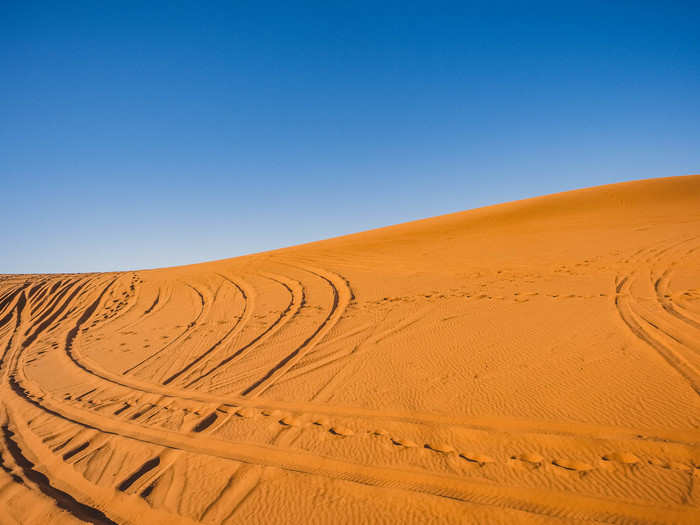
x: 530, y: 362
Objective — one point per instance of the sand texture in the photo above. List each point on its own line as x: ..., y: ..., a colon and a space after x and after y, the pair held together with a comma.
x: 530, y: 362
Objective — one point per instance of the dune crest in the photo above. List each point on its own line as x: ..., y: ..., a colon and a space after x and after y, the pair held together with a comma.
x: 535, y: 361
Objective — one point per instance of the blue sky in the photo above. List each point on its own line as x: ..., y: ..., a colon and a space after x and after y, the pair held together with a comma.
x: 136, y: 136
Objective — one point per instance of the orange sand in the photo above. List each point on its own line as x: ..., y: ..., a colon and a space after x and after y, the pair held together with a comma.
x: 531, y: 362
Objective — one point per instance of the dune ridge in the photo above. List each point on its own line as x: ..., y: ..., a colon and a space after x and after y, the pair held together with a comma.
x: 528, y: 362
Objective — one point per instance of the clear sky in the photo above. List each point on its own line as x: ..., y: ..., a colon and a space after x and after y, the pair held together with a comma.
x: 146, y: 134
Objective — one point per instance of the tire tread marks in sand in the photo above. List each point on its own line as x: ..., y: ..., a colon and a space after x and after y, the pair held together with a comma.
x: 189, y: 328
x: 295, y: 303
x: 587, y: 431
x: 649, y: 331
x: 63, y: 499
x: 146, y: 467
x: 303, y: 462
x: 233, y: 331
x: 197, y: 441
x: 340, y: 302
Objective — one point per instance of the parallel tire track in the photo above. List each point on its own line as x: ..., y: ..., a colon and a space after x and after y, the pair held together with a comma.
x: 341, y: 299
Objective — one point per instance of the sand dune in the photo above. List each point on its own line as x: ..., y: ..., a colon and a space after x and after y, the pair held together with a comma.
x: 530, y: 362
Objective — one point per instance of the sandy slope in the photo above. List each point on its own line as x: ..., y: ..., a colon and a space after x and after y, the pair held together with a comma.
x: 537, y: 361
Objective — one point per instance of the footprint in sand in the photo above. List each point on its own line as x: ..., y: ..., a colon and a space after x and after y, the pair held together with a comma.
x: 341, y: 431
x: 669, y: 465
x: 528, y: 460
x: 406, y: 443
x: 246, y: 412
x: 625, y: 458
x: 443, y: 448
x: 290, y: 421
x: 574, y: 466
x: 480, y: 459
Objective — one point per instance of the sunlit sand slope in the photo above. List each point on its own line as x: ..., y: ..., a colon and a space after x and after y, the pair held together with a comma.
x: 531, y: 362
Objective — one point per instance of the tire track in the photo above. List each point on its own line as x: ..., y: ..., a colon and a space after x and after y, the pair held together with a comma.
x: 179, y: 337
x: 248, y: 297
x: 180, y: 359
x: 63, y: 500
x: 341, y: 300
x: 538, y: 501
x: 648, y: 330
x: 661, y: 287
x: 493, y: 424
x: 435, y: 484
x: 296, y: 293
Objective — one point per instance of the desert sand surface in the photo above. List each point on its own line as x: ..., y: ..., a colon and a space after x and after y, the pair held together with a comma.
x: 530, y: 362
